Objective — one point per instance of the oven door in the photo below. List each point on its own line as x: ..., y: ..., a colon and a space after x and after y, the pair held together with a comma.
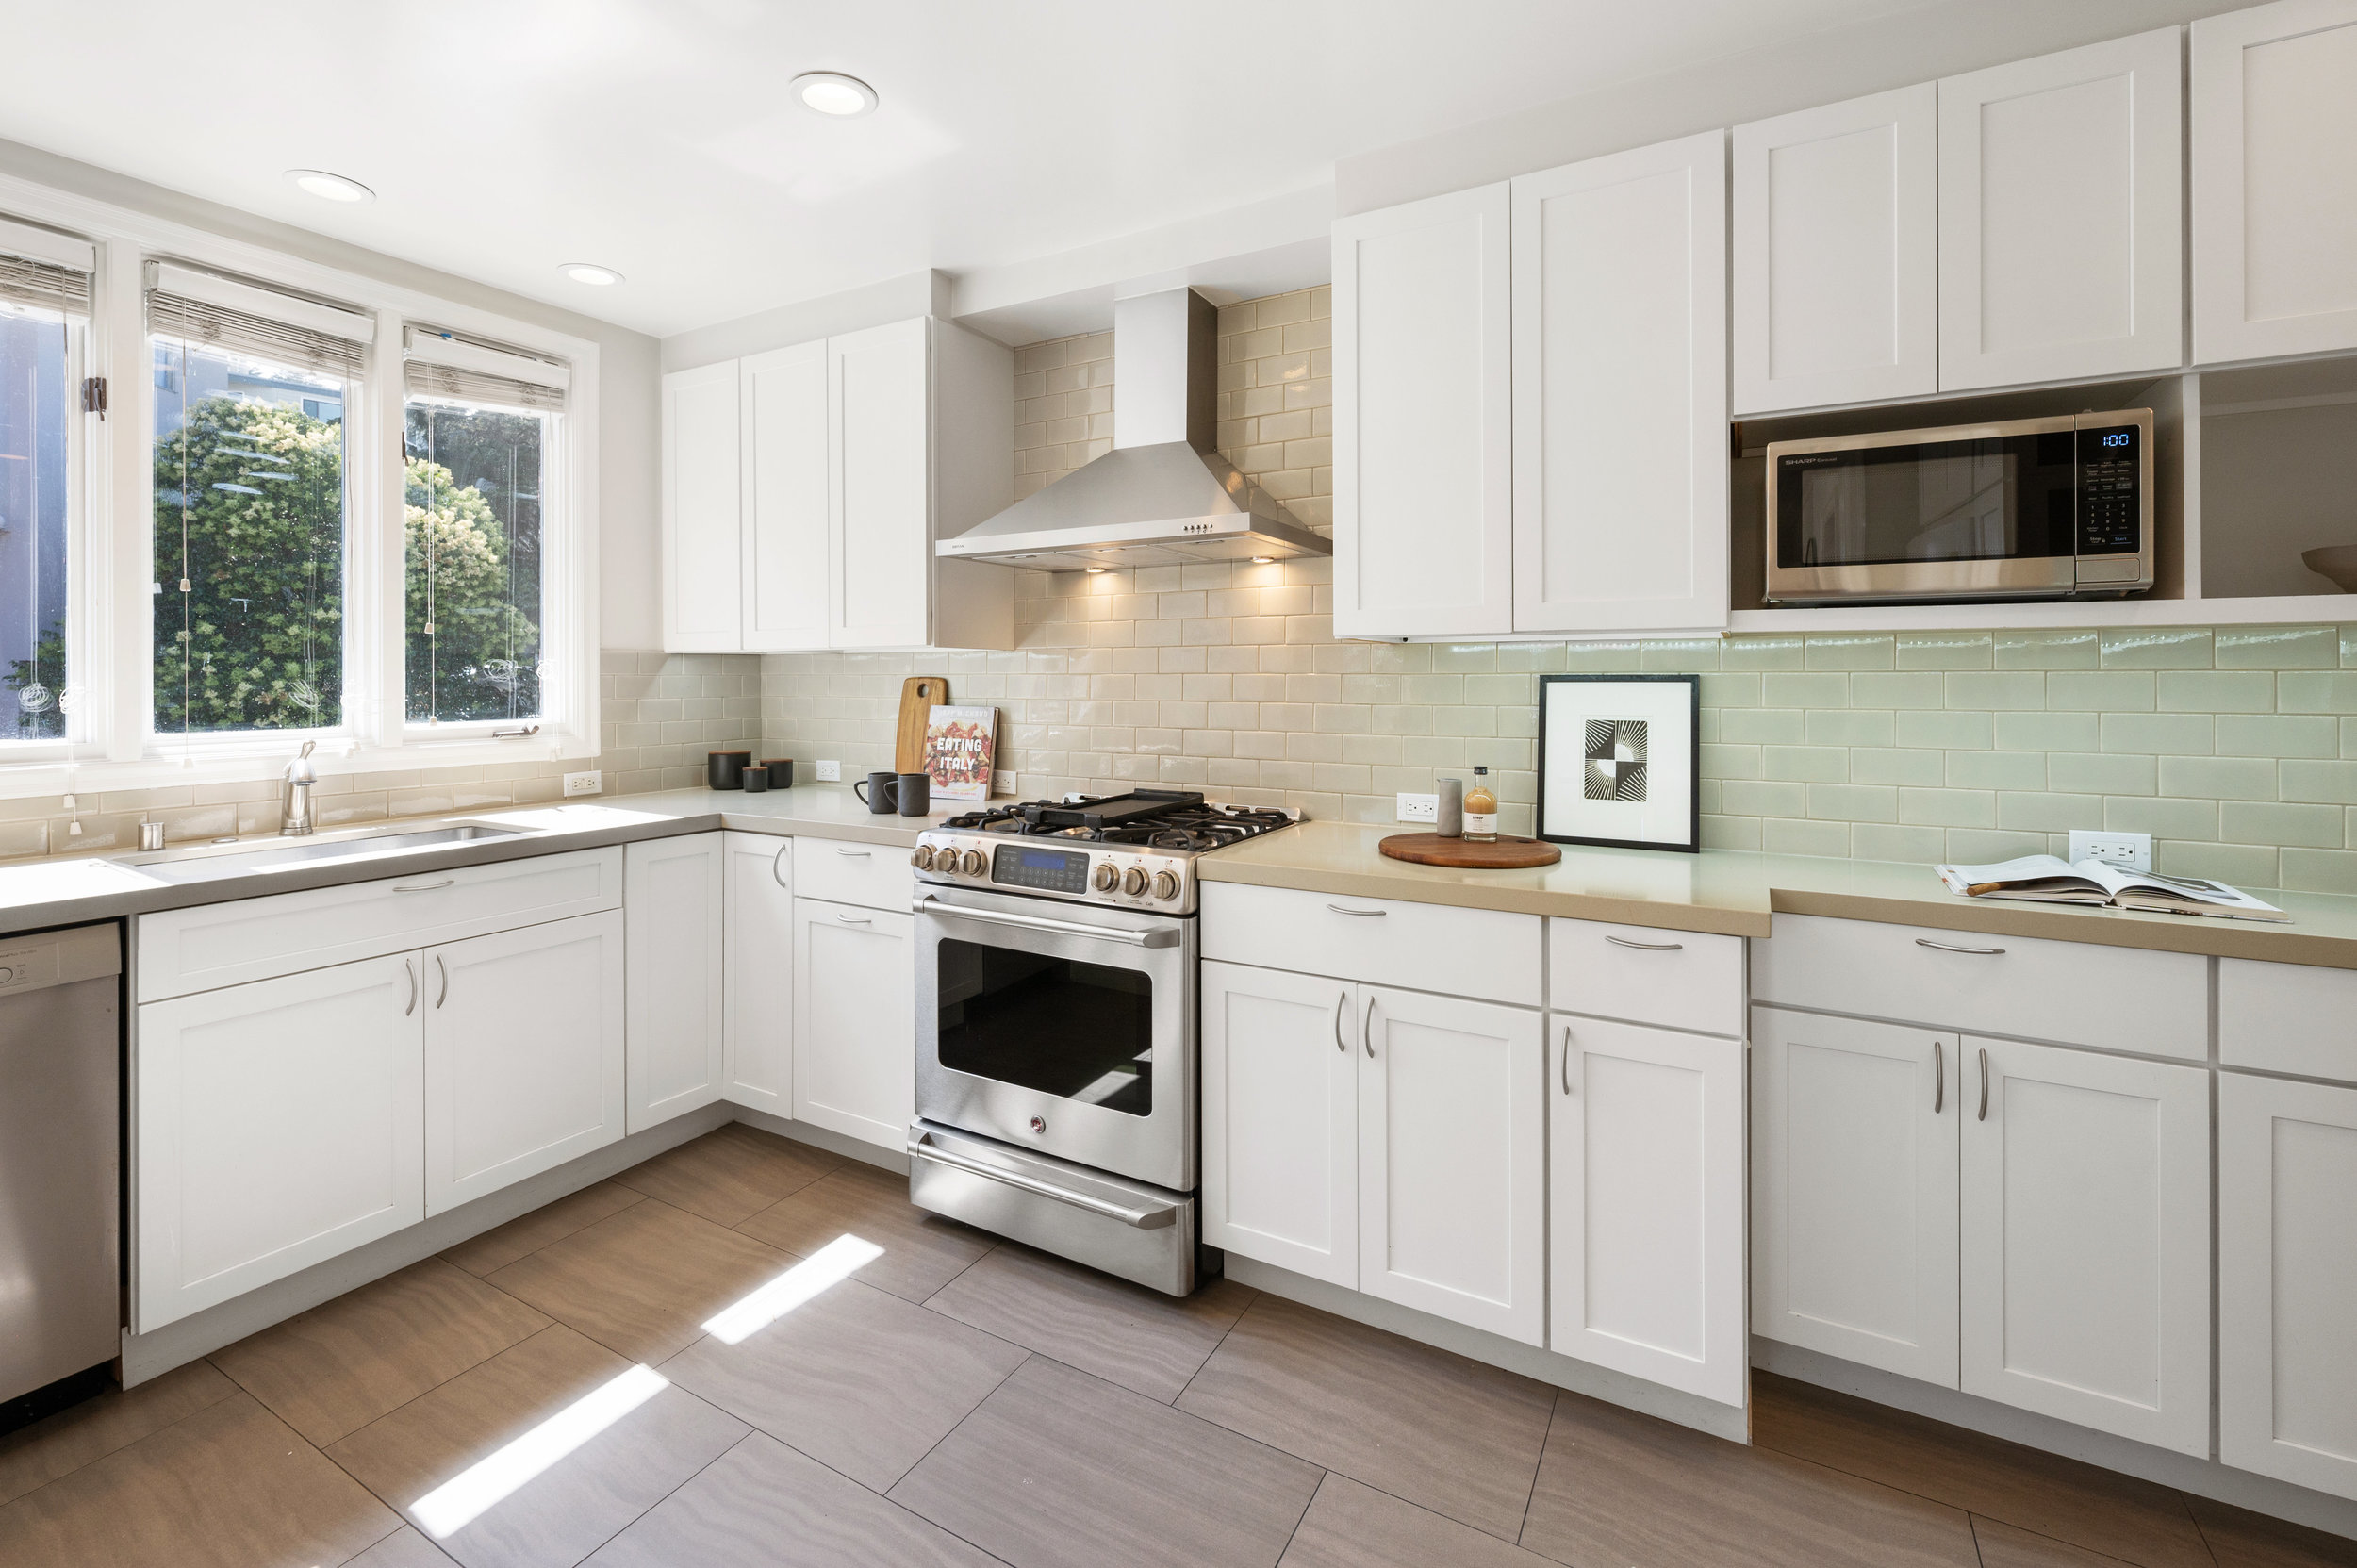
x: 1061, y: 1027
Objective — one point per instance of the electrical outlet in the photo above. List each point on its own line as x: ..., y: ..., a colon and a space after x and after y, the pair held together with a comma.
x: 2133, y: 851
x: 583, y: 783
x: 1419, y: 808
x: 830, y: 772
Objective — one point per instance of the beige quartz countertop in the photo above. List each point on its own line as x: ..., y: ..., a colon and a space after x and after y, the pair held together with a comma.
x: 56, y: 890
x: 1739, y: 895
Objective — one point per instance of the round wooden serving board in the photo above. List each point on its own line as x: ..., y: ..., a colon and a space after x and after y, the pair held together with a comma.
x: 1500, y: 854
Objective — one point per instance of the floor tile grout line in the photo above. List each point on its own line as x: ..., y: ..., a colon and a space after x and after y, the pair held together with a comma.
x: 1554, y: 1407
x: 1232, y: 1324
x: 927, y: 1301
x: 1324, y: 1476
x: 236, y: 1388
x: 2200, y: 1534
x: 633, y: 1519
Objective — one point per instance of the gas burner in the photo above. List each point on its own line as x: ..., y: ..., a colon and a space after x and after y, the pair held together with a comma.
x: 1170, y: 819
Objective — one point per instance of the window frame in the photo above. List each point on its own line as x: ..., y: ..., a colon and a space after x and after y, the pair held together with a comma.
x: 111, y: 741
x: 81, y: 649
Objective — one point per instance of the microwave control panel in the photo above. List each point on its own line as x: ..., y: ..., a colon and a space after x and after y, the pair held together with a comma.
x: 2111, y: 502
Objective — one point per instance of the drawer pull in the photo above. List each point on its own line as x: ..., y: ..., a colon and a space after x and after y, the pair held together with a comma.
x: 1951, y: 947
x: 1645, y: 946
x: 777, y: 867
x: 1984, y: 1115
x: 423, y: 886
x: 1340, y: 1002
x: 1362, y: 913
x: 1940, y: 1077
x: 853, y: 919
x: 857, y: 854
x: 411, y: 971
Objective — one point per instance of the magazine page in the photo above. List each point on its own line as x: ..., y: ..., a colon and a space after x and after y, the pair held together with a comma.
x: 2029, y: 870
x: 2123, y: 884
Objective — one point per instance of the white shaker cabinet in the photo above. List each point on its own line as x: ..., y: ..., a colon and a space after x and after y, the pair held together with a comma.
x: 2274, y: 139
x: 1423, y: 424
x: 1854, y: 1127
x: 1452, y: 1159
x: 1646, y: 1204
x: 1836, y: 254
x: 854, y: 1023
x: 1620, y: 391
x: 523, y: 1053
x: 783, y: 513
x: 758, y: 1021
x: 2287, y: 1280
x: 879, y: 513
x: 278, y: 1123
x: 1280, y: 1119
x: 672, y: 900
x: 2061, y: 223
x: 2085, y: 1247
x: 701, y: 457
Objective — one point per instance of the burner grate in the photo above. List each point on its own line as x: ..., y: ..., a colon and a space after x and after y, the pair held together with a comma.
x: 1157, y: 819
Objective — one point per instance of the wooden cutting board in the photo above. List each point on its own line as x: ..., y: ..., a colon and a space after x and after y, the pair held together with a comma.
x: 919, y: 695
x: 1499, y: 855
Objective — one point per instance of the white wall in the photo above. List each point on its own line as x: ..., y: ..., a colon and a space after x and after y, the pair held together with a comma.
x: 805, y: 321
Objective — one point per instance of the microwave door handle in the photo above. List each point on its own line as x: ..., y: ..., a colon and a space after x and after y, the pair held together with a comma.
x: 931, y: 906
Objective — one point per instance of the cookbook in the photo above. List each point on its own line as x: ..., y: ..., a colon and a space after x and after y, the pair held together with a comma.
x: 2050, y: 879
x: 961, y: 747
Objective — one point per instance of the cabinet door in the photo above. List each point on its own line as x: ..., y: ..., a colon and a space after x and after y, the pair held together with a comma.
x: 1423, y: 429
x: 880, y: 535
x: 700, y: 447
x: 855, y: 1020
x: 1836, y: 221
x: 2085, y: 1247
x: 2060, y: 224
x: 1646, y: 1205
x: 2275, y: 180
x: 1280, y: 1119
x: 673, y: 897
x: 784, y: 562
x: 278, y: 1124
x: 1452, y: 1167
x: 1854, y: 1190
x: 2287, y: 1280
x: 1620, y: 391
x: 524, y: 1054
x: 759, y: 1017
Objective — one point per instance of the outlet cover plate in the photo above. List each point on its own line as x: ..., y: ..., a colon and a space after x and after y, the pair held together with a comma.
x: 2133, y: 851
x: 583, y: 783
x: 1419, y: 808
x: 830, y: 772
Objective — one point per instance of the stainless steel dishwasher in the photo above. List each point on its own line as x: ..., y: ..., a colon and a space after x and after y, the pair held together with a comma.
x: 60, y: 1096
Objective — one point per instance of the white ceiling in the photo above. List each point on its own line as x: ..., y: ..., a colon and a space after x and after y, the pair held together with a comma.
x: 657, y: 137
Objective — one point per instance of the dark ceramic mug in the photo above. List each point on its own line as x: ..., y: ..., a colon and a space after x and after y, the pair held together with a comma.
x: 880, y: 792
x: 915, y: 793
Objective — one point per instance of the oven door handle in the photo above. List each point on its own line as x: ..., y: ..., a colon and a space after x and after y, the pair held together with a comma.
x: 1154, y: 1218
x: 931, y: 906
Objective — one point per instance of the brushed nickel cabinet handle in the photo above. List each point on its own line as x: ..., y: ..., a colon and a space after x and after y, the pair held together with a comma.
x: 1951, y: 947
x: 423, y: 886
x: 1340, y: 1002
x: 1645, y: 946
x: 443, y: 969
x: 1362, y: 913
x: 1940, y: 1077
x: 777, y: 867
x: 1366, y: 1030
x: 410, y: 971
x: 1567, y: 1058
x: 1984, y: 1115
x: 859, y: 854
x: 853, y: 919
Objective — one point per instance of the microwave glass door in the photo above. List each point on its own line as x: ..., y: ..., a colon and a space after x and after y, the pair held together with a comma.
x: 1057, y: 1025
x: 2000, y: 498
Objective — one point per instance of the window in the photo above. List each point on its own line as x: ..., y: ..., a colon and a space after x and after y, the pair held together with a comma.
x: 43, y: 302
x: 472, y: 593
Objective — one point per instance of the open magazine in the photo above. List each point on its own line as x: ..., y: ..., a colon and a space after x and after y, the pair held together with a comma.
x: 2050, y: 879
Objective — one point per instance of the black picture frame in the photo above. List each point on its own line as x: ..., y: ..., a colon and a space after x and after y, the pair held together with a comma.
x: 1693, y: 765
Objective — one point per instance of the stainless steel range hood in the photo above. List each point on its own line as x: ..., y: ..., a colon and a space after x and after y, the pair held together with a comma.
x: 1163, y: 496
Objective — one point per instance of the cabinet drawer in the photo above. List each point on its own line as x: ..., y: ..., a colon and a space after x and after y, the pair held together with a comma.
x: 837, y: 869
x: 2288, y: 1018
x: 2078, y: 992
x: 1463, y: 953
x: 181, y: 950
x: 1680, y: 979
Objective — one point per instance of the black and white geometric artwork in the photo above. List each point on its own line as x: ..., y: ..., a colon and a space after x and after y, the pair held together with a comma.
x: 1616, y: 760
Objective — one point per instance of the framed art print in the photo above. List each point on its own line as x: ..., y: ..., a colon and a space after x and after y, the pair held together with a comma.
x: 1618, y: 765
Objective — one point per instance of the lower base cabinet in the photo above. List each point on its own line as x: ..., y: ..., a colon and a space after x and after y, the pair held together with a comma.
x: 523, y: 1053
x: 758, y: 1022
x: 854, y: 996
x: 2287, y: 1280
x: 1646, y: 1234
x: 674, y: 900
x: 1280, y: 1119
x: 278, y: 1126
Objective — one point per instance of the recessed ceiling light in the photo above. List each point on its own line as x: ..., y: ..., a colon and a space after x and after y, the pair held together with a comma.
x: 330, y: 188
x: 831, y: 93
x: 591, y: 273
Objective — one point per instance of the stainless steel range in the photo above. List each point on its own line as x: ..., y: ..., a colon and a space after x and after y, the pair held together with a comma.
x: 1056, y: 986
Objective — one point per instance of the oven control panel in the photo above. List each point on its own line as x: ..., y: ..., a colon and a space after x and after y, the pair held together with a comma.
x: 1089, y: 873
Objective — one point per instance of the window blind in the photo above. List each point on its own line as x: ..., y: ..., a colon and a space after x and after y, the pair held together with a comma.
x: 44, y: 268
x: 246, y: 319
x: 464, y: 369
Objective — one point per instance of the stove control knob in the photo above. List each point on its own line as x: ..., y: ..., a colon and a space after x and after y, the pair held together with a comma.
x: 1107, y: 878
x: 922, y: 857
x: 974, y: 862
x: 1133, y: 880
x: 1165, y: 884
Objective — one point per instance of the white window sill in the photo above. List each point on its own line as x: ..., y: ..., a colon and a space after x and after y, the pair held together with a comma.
x: 221, y: 760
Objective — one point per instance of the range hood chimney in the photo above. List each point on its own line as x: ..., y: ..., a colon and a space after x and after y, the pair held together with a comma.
x: 1163, y: 496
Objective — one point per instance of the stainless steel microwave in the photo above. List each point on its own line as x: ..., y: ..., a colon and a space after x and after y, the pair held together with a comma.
x: 2047, y: 508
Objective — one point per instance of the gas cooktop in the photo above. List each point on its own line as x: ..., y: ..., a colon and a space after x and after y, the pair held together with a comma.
x: 1136, y: 850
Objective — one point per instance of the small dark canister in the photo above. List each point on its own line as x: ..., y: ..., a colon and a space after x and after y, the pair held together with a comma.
x: 726, y: 769
x: 755, y: 780
x: 780, y: 771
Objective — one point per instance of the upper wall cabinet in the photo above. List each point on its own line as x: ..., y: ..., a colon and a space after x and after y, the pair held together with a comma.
x: 2061, y: 226
x: 1836, y: 254
x: 804, y: 490
x: 2275, y: 180
x: 1620, y: 391
x: 1423, y: 455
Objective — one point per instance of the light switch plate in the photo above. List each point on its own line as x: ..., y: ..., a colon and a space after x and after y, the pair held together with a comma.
x: 583, y: 783
x: 830, y: 772
x: 1419, y: 808
x: 2133, y: 851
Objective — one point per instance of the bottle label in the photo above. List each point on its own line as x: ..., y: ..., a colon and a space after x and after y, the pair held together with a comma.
x: 1480, y: 822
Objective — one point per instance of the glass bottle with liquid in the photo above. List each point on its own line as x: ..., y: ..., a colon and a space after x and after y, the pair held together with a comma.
x: 1481, y: 809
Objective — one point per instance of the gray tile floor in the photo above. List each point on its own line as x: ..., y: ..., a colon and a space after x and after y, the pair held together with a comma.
x: 548, y: 1393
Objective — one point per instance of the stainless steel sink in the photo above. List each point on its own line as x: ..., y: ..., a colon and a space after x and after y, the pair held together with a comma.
x: 210, y: 862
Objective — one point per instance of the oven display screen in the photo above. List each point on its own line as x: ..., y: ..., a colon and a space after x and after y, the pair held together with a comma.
x: 1054, y: 870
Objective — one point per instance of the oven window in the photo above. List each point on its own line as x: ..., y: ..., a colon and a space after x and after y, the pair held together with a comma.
x: 2008, y: 498
x: 1082, y: 1031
